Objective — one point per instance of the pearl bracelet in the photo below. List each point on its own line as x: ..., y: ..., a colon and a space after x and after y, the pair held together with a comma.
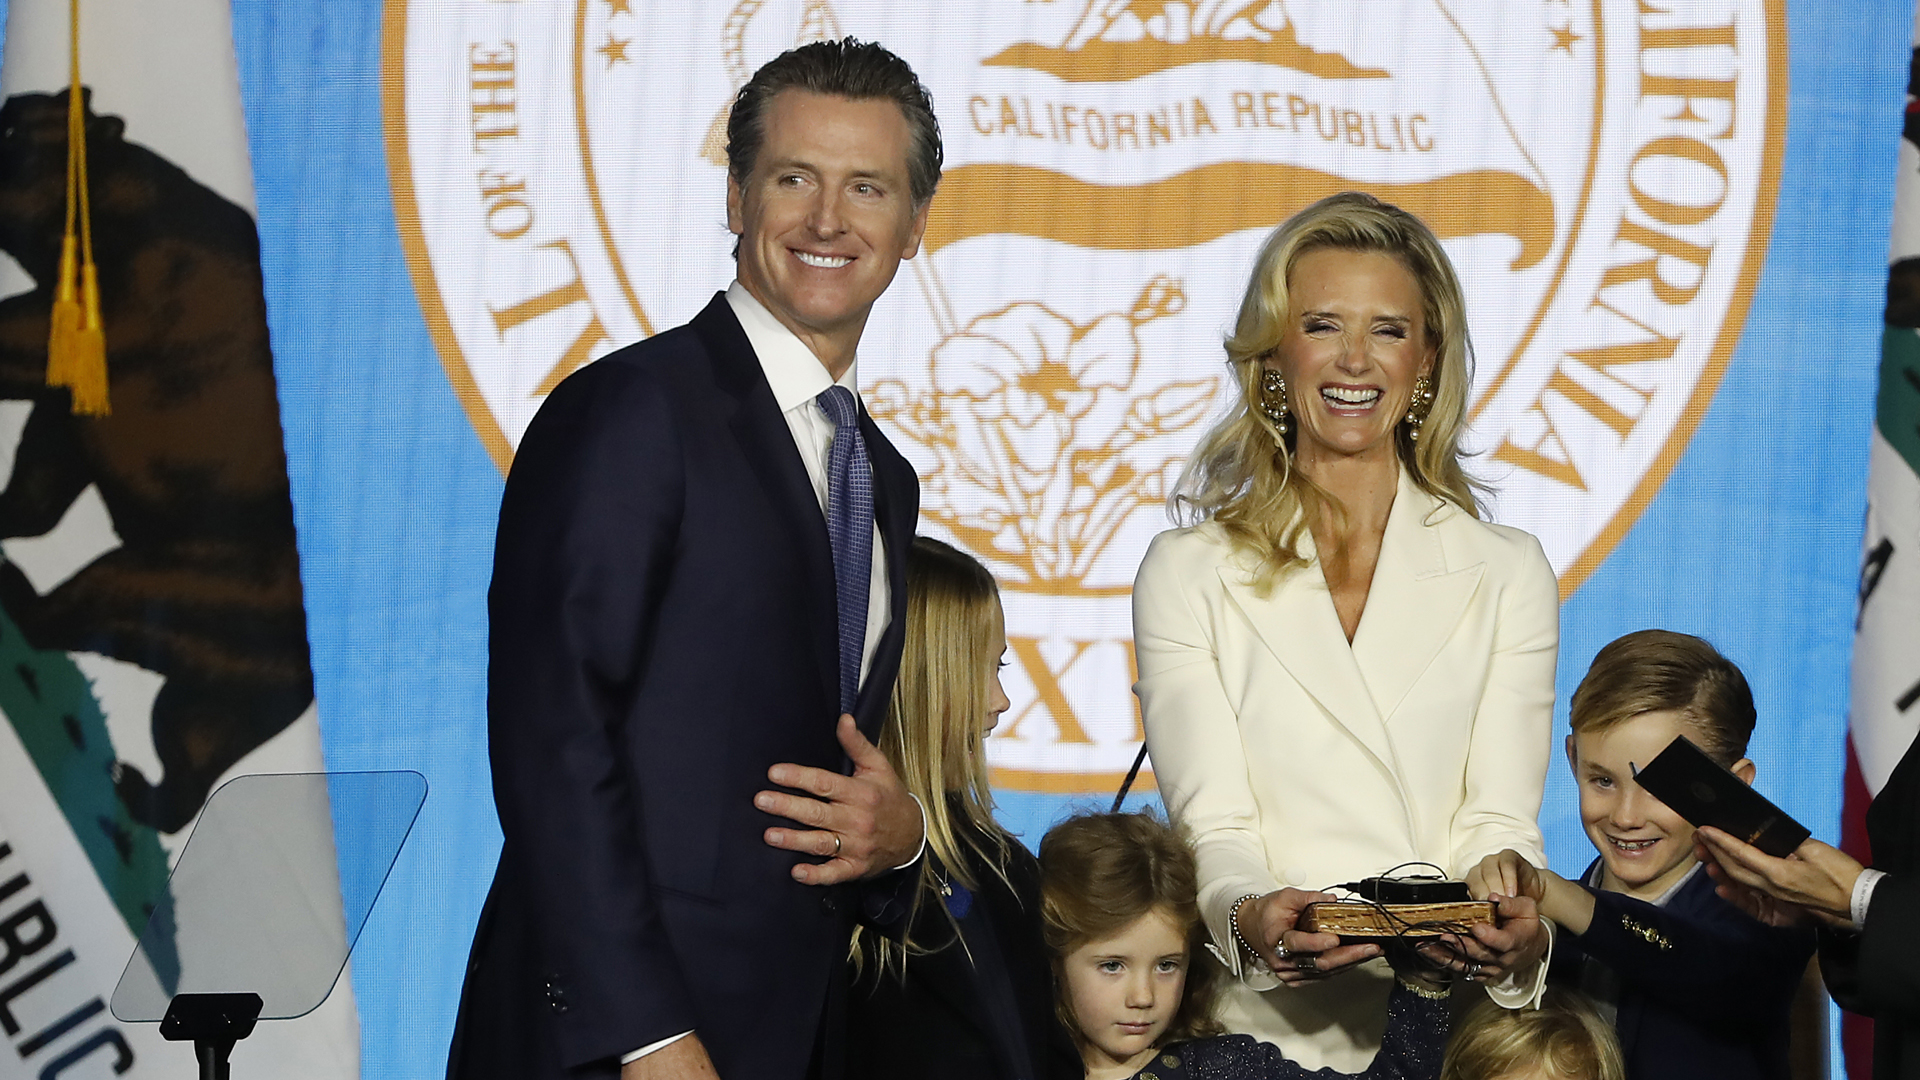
x: 1233, y: 920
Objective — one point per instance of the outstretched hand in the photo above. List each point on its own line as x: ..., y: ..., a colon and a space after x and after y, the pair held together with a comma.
x: 863, y: 823
x: 1815, y: 882
x: 1516, y: 939
x: 1513, y: 942
x: 1507, y: 873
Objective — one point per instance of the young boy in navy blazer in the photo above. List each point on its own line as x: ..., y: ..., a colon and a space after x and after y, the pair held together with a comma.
x: 1694, y: 986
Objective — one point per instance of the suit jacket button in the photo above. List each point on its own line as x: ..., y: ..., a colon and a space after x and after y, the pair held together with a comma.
x: 829, y: 905
x: 556, y: 998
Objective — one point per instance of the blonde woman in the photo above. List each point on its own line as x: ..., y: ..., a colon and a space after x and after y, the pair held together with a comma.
x: 970, y: 995
x: 1342, y: 668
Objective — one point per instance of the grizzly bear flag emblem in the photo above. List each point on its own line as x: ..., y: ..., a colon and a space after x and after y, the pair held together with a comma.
x: 152, y: 631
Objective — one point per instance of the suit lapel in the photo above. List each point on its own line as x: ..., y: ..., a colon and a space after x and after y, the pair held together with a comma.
x: 1414, y: 602
x: 1413, y: 605
x: 1890, y: 815
x: 896, y: 506
x: 1298, y: 625
x: 767, y: 443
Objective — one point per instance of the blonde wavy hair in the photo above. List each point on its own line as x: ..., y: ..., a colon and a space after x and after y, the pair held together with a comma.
x: 1565, y: 1039
x: 1653, y: 670
x: 1241, y: 476
x: 934, y: 725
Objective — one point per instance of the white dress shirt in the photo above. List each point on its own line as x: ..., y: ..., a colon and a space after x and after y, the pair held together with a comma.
x: 797, y: 378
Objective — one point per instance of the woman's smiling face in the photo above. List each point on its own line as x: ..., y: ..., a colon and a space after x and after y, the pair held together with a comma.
x: 1355, y: 345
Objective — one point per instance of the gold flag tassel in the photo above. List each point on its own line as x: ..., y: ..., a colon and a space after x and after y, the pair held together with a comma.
x: 76, y: 344
x: 66, y: 293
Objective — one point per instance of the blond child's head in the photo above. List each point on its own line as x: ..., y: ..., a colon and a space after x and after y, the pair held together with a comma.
x: 1642, y: 690
x: 1563, y: 1039
x: 1663, y: 671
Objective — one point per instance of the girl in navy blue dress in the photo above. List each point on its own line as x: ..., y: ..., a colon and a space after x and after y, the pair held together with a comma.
x: 968, y: 995
x: 1136, y: 987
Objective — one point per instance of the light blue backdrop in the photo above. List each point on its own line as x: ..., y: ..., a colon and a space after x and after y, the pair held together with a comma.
x: 1753, y: 542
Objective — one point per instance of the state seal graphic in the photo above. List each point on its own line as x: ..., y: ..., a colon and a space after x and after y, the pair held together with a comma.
x: 1602, y: 173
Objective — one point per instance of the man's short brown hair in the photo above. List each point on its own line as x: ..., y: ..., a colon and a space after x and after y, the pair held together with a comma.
x: 1659, y: 670
x: 857, y: 70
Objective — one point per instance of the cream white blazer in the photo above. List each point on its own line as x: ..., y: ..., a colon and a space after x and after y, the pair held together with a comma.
x: 1292, y: 758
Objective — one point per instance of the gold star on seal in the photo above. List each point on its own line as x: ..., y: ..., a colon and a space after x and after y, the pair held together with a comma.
x: 1563, y: 38
x: 615, y: 51
x: 619, y: 7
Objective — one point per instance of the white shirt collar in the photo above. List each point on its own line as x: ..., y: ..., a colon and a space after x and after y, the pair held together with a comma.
x: 795, y: 374
x: 1662, y: 900
x: 1675, y: 888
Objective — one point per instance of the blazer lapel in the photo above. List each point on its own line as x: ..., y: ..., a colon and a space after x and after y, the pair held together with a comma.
x: 896, y: 506
x: 767, y: 442
x: 1414, y: 602
x: 1298, y: 625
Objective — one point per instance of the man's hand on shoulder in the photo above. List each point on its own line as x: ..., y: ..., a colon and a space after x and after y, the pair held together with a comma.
x: 681, y: 1059
x: 864, y: 824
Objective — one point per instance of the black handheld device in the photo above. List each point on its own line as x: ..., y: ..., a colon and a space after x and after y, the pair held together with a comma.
x: 1706, y: 792
x: 1411, y: 889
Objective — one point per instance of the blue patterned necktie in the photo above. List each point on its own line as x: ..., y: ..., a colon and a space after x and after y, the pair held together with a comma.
x: 850, y: 530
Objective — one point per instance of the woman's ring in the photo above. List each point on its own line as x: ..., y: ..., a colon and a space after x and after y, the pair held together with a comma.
x: 1307, y: 964
x: 1280, y: 950
x: 1473, y: 969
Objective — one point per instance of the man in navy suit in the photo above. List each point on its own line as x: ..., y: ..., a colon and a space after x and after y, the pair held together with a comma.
x: 702, y: 545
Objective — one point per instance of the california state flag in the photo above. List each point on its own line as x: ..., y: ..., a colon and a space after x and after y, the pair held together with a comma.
x: 152, y: 628
x: 1886, y: 648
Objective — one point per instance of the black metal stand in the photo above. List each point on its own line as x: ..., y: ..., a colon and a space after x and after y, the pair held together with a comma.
x: 214, y: 1022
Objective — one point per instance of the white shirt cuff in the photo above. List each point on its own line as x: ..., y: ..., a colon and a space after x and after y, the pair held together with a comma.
x: 1523, y: 989
x: 1863, y: 895
x: 651, y: 1047
x: 1254, y: 972
x: 922, y: 849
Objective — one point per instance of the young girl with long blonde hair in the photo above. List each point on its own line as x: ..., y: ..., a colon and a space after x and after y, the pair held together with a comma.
x: 969, y: 992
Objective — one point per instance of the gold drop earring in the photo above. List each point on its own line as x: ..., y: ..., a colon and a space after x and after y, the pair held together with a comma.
x: 1273, y: 398
x: 1419, y: 407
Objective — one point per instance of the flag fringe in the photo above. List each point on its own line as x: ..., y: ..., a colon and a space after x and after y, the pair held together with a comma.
x: 66, y: 317
x: 76, y: 338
